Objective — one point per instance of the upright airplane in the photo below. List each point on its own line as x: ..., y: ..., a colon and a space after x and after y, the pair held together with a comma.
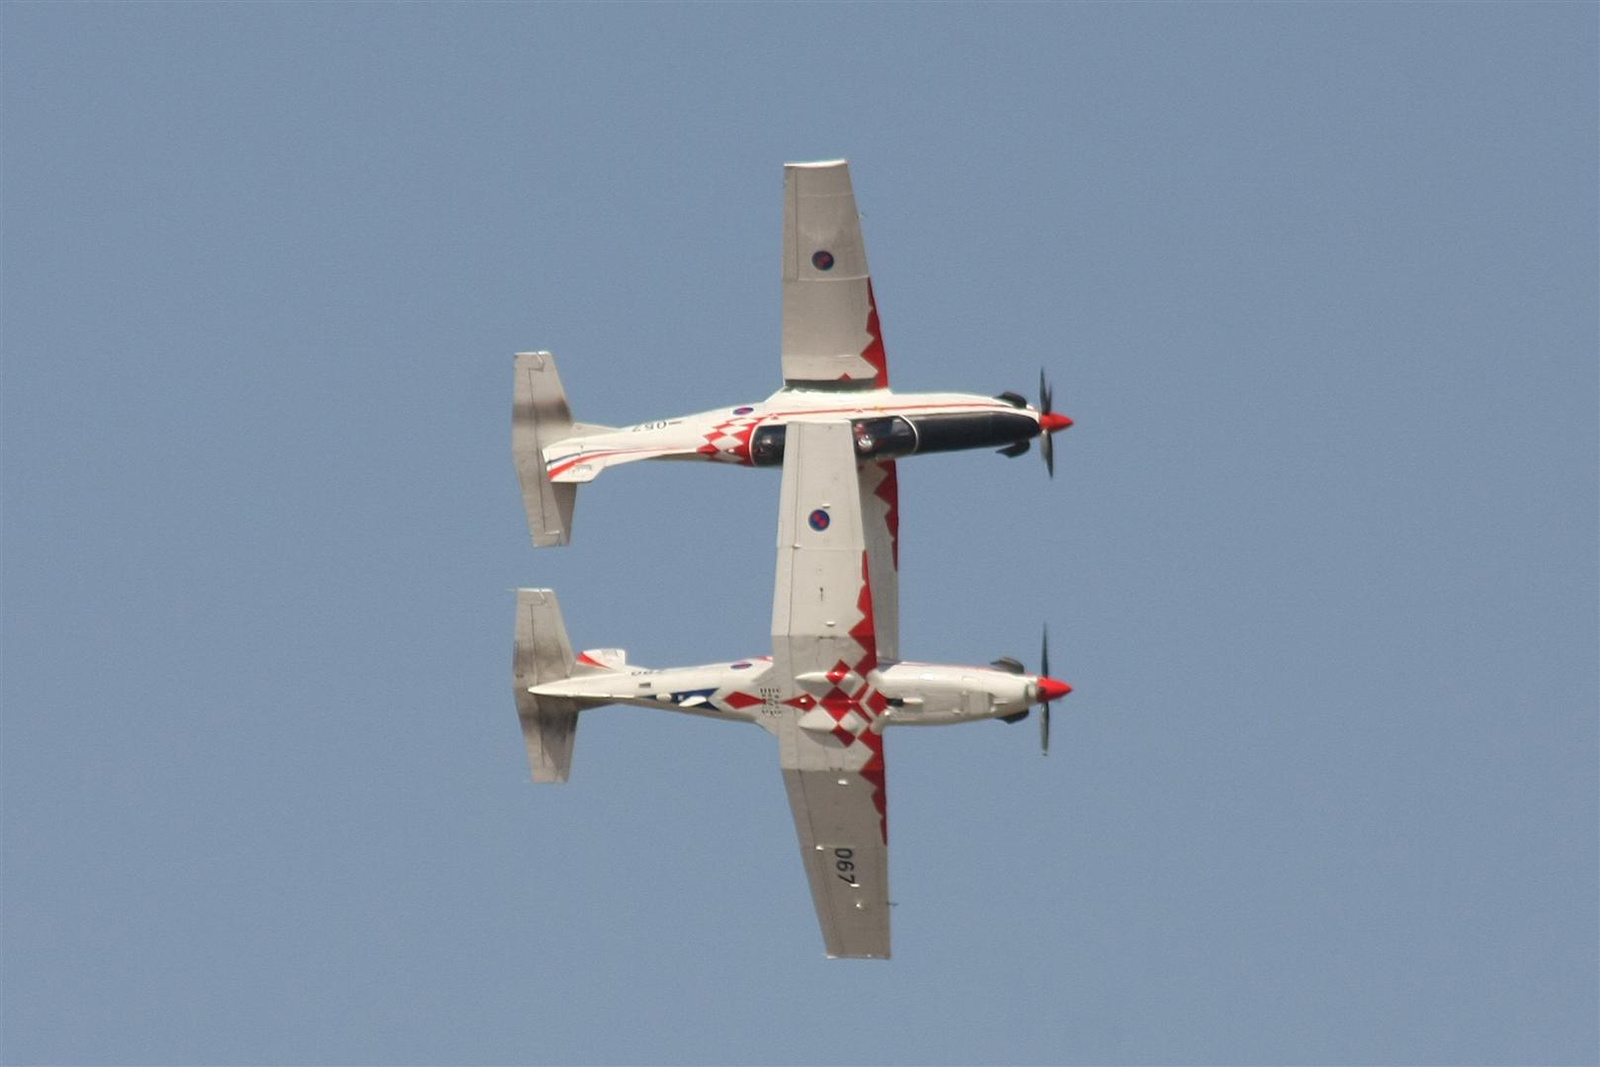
x: 834, y: 366
x: 832, y: 685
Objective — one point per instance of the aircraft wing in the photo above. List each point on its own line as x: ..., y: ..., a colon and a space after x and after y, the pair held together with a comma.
x: 846, y: 860
x: 831, y: 337
x: 825, y: 645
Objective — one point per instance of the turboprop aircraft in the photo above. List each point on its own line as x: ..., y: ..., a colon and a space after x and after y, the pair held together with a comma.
x: 833, y: 683
x: 834, y: 365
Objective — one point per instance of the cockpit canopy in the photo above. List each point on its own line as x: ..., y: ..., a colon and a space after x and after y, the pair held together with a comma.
x: 886, y: 437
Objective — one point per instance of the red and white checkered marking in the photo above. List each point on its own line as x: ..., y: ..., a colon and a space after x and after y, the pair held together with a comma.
x: 729, y: 440
x: 854, y: 705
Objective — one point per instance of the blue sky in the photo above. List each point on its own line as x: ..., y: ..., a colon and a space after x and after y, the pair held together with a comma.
x: 1317, y: 282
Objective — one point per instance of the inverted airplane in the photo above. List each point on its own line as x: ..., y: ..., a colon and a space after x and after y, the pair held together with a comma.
x: 832, y: 685
x: 834, y: 366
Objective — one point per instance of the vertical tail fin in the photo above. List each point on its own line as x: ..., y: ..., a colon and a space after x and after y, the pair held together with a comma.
x: 540, y: 416
x: 543, y: 654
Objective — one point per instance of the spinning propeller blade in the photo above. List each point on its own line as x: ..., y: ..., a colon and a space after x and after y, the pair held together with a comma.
x: 1047, y: 689
x: 1049, y: 423
x: 1044, y: 670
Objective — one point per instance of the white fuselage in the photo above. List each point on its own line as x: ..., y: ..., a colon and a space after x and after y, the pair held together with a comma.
x: 914, y: 694
x: 887, y: 425
x: 731, y: 690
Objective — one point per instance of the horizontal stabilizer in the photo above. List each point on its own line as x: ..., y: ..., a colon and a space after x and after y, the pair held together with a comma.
x: 543, y: 654
x: 540, y: 418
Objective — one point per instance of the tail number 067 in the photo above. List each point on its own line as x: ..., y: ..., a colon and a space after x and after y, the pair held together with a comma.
x: 844, y: 863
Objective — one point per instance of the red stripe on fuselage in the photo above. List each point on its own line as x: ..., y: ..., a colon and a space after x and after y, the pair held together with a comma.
x: 569, y: 464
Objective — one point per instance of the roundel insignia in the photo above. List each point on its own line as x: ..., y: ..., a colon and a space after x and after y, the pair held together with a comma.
x: 743, y: 411
x: 819, y: 520
x: 822, y: 259
x: 742, y: 665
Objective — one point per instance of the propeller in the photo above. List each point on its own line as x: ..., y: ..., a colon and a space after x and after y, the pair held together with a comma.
x: 1047, y: 689
x: 1049, y: 423
x: 1044, y: 640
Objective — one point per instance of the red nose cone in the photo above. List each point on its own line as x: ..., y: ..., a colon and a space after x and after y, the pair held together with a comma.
x: 1052, y: 422
x: 1050, y: 689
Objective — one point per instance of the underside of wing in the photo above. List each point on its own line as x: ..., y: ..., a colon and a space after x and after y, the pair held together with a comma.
x: 839, y: 821
x: 822, y: 599
x: 825, y: 647
x: 831, y: 337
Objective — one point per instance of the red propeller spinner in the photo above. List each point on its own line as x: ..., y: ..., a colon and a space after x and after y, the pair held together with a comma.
x: 1051, y: 689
